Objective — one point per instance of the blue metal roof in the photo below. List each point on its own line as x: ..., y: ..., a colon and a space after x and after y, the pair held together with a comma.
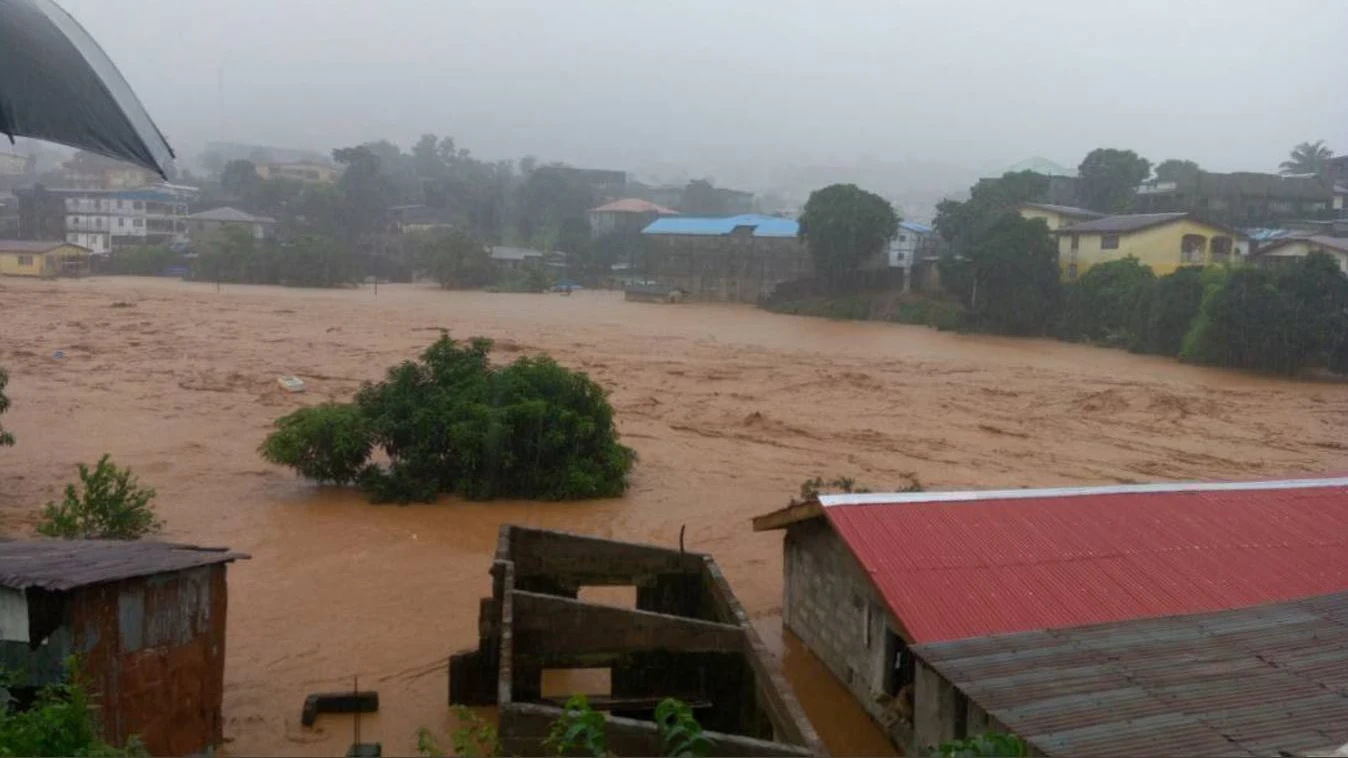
x: 764, y: 226
x: 915, y: 227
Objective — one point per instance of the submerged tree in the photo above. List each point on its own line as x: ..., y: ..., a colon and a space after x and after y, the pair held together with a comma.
x: 451, y: 422
x: 1007, y: 276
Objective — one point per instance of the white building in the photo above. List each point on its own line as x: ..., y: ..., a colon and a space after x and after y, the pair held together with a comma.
x: 910, y: 241
x: 105, y: 220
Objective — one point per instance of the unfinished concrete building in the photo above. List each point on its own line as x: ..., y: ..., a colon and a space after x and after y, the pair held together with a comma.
x: 686, y: 638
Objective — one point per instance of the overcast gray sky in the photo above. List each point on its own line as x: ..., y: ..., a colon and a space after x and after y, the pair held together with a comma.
x: 731, y: 86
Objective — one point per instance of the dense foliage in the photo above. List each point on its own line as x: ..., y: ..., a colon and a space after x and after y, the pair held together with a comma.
x: 1166, y: 310
x: 1007, y: 277
x: 580, y: 730
x: 960, y: 223
x: 844, y: 225
x: 454, y: 259
x: 6, y: 439
x: 1278, y: 322
x: 1102, y: 306
x: 233, y: 255
x: 144, y: 261
x: 1175, y: 169
x: 1107, y: 178
x: 452, y: 422
x: 60, y: 722
x: 985, y: 745
x: 1307, y: 158
x: 110, y: 504
x: 939, y: 313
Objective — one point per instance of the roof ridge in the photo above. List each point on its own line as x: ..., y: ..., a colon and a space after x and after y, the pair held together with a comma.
x: 968, y: 496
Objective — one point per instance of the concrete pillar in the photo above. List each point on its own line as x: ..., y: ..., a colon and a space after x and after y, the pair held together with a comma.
x: 933, y: 710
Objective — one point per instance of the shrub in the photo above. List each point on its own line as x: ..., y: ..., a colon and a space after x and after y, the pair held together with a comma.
x: 989, y: 744
x: 1102, y: 305
x: 453, y: 423
x: 60, y: 722
x: 112, y: 506
x: 1166, y: 311
x: 679, y: 732
x: 326, y: 443
x: 580, y: 729
x: 6, y: 439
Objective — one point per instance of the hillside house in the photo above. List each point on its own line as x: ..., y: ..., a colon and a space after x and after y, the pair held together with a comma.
x: 733, y: 259
x: 45, y: 259
x: 1057, y: 216
x: 147, y: 620
x: 627, y: 216
x: 1286, y: 249
x: 205, y: 223
x: 874, y: 581
x: 1161, y: 241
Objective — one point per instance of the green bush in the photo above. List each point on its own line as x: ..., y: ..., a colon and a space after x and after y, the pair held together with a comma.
x: 233, y: 255
x: 526, y: 279
x: 1278, y: 322
x: 144, y: 261
x: 986, y: 745
x: 453, y: 423
x: 60, y: 722
x: 6, y: 439
x: 1102, y: 305
x: 112, y: 506
x: 1166, y: 311
x: 326, y: 443
x: 579, y: 730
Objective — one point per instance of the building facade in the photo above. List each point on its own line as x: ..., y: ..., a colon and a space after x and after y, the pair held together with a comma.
x: 1057, y: 216
x: 206, y: 223
x: 627, y: 216
x: 738, y: 259
x: 1288, y: 249
x: 44, y: 259
x: 1240, y: 198
x: 104, y: 220
x: 1161, y: 241
x: 147, y: 621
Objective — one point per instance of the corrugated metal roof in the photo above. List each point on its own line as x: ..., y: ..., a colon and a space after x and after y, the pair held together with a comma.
x: 29, y: 246
x: 1067, y: 210
x: 957, y: 565
x: 1254, y: 681
x: 915, y: 227
x: 60, y: 565
x: 763, y: 226
x: 1128, y: 222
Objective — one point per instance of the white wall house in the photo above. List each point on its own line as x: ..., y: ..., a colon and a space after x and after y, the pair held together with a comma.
x: 910, y: 239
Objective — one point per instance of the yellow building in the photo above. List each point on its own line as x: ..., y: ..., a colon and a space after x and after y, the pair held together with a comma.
x: 1162, y: 241
x: 42, y: 258
x: 1057, y: 216
x: 1286, y: 250
x: 303, y: 171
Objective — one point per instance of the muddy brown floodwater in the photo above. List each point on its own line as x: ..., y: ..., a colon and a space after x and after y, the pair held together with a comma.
x: 729, y: 408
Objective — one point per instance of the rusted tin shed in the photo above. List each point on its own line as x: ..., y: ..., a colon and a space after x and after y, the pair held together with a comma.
x: 146, y: 621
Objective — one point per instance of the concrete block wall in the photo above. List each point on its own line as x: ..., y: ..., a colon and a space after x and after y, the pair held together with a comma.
x: 830, y: 605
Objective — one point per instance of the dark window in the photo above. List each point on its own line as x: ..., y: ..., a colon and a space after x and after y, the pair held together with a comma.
x: 1109, y: 242
x: 1076, y: 242
x: 25, y: 260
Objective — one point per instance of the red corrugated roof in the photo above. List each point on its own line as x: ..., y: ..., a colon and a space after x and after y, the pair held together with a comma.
x: 954, y: 568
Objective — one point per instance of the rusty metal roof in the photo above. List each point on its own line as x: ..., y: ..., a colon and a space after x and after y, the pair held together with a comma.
x: 61, y: 565
x: 1254, y: 681
x: 951, y: 565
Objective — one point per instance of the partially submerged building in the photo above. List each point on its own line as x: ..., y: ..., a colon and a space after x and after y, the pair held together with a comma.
x: 733, y: 259
x: 146, y: 621
x: 687, y: 638
x: 908, y: 599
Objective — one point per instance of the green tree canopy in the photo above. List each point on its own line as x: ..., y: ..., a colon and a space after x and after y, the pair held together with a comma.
x: 1166, y: 310
x: 843, y: 226
x: 1007, y: 276
x: 454, y: 259
x: 1108, y: 178
x: 239, y: 178
x: 701, y: 198
x: 989, y: 200
x: 1102, y: 305
x: 1174, y: 169
x: 1307, y: 158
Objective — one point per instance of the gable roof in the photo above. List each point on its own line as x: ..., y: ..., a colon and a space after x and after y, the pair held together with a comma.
x: 763, y: 226
x: 1123, y: 223
x: 951, y: 565
x: 1339, y: 244
x: 33, y: 246
x: 61, y: 565
x: 1266, y: 680
x: 230, y: 215
x: 1066, y: 210
x: 634, y: 205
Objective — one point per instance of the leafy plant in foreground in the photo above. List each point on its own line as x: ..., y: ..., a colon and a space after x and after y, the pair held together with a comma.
x: 679, y: 732
x: 580, y: 728
x: 60, y: 722
x: 986, y: 745
x: 111, y: 506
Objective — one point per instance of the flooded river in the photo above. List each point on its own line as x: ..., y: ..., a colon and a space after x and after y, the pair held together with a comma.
x: 729, y: 408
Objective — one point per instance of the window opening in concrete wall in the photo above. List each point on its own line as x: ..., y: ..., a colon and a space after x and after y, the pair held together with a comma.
x: 619, y: 596
x: 901, y: 671
x: 560, y: 684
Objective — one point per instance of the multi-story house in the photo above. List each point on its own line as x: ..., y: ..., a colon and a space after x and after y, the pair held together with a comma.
x: 1239, y: 199
x: 104, y: 220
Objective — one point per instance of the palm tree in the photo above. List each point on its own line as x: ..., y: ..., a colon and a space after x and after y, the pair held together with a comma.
x: 1307, y: 158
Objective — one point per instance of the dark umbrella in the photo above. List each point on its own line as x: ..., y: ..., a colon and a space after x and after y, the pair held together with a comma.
x: 57, y: 84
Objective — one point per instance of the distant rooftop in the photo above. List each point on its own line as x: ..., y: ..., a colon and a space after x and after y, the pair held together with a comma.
x: 1041, y: 166
x: 915, y: 227
x: 230, y: 215
x: 30, y: 246
x: 763, y: 226
x: 634, y: 205
x: 1122, y: 224
x: 500, y: 253
x: 1067, y: 210
x: 61, y: 565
